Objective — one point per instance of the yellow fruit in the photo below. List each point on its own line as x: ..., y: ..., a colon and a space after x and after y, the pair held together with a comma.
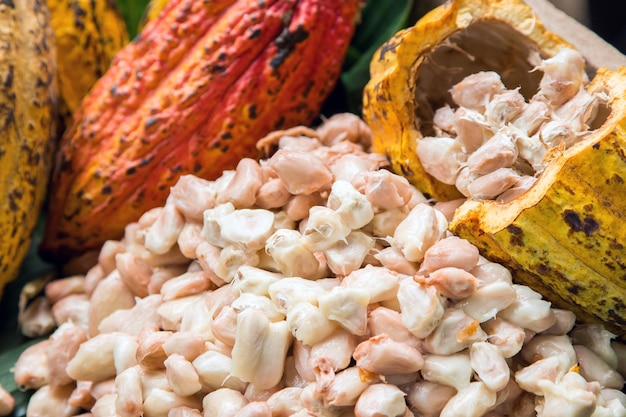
x: 412, y: 72
x: 27, y: 125
x: 564, y: 236
x: 88, y: 34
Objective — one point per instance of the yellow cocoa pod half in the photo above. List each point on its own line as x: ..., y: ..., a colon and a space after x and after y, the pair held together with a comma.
x: 564, y: 235
x: 412, y: 72
x: 88, y: 34
x: 27, y: 125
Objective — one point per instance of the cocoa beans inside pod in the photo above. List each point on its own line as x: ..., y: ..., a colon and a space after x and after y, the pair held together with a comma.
x: 544, y: 189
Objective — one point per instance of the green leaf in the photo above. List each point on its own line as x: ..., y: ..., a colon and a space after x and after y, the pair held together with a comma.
x: 7, y: 361
x: 12, y: 342
x: 380, y: 21
x: 133, y: 11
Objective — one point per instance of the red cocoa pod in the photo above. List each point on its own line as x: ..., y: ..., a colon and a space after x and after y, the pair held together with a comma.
x: 193, y: 93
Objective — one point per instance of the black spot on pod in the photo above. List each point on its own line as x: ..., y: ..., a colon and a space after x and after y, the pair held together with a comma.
x: 615, y: 314
x: 8, y: 82
x: 255, y: 33
x: 79, y: 16
x: 542, y: 269
x: 389, y: 46
x: 146, y: 161
x: 151, y: 121
x: 8, y: 3
x: 588, y: 225
x: 516, y: 235
x: 286, y: 43
x: 575, y: 289
x: 406, y: 170
x: 252, y: 111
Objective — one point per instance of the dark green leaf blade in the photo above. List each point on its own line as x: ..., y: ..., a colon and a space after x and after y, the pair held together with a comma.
x: 133, y: 11
x: 7, y: 362
x: 12, y: 342
x: 380, y: 21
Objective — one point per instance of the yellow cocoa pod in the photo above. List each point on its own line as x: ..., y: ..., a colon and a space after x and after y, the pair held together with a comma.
x: 564, y: 235
x: 88, y: 35
x: 412, y: 72
x: 28, y: 99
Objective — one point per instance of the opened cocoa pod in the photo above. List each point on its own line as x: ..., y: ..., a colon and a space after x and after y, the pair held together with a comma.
x: 479, y: 101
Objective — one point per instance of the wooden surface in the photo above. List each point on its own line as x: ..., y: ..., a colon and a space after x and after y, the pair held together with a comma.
x: 596, y: 51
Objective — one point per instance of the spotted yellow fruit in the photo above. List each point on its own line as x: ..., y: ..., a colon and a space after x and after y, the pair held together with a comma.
x: 28, y: 99
x: 88, y: 34
x: 412, y: 72
x: 564, y: 236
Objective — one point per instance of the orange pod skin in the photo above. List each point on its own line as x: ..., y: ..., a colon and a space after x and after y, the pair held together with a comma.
x: 193, y: 93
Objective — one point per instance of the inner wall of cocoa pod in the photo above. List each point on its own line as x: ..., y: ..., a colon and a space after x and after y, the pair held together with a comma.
x: 604, y: 17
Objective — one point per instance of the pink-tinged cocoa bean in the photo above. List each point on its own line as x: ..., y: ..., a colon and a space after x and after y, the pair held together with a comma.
x: 187, y: 344
x: 150, y: 353
x: 106, y: 257
x: 64, y: 344
x: 81, y: 396
x: 59, y: 288
x: 162, y: 235
x: 110, y: 295
x: 128, y: 387
x: 74, y: 308
x: 31, y: 369
x: 36, y: 319
x: 7, y: 402
x: 133, y: 320
x: 134, y: 273
x: 94, y: 360
x: 244, y: 185
x: 49, y: 401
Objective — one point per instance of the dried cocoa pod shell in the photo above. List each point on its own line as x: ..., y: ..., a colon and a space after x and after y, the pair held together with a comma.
x: 191, y: 94
x: 28, y: 102
x: 88, y: 34
x: 563, y: 237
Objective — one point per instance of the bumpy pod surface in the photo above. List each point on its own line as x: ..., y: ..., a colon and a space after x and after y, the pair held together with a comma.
x: 88, y: 34
x: 193, y: 93
x: 564, y: 236
x: 28, y: 102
